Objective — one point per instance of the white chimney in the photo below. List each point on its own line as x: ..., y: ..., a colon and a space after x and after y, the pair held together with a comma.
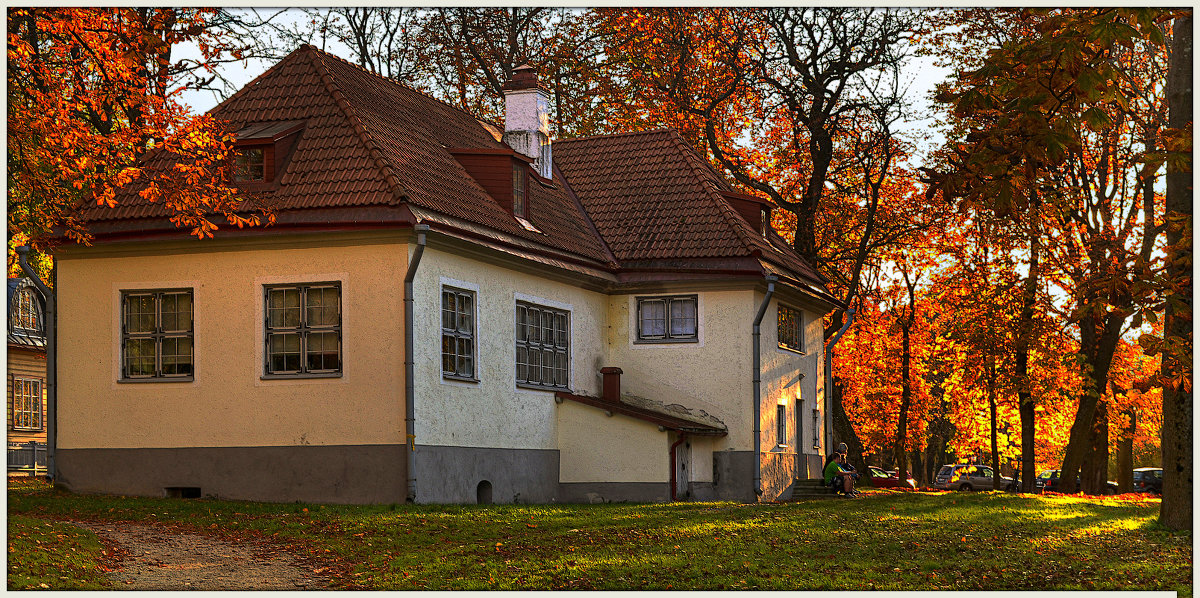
x: 527, y: 118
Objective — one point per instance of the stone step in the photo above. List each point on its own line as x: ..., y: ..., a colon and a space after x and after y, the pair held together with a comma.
x: 811, y: 489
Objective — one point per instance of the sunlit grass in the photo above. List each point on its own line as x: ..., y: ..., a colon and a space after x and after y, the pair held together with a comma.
x: 884, y: 541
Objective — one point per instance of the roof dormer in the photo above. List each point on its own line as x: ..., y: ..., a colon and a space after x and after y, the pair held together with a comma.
x: 261, y: 151
x: 755, y: 210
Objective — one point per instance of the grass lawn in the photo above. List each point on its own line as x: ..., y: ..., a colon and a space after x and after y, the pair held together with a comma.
x: 883, y: 541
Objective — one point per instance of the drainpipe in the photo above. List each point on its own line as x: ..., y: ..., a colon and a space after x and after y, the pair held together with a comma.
x: 49, y: 310
x: 762, y: 310
x: 410, y: 412
x: 829, y: 376
x: 675, y: 466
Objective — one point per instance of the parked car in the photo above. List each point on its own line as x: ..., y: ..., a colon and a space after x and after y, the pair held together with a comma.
x: 890, y: 479
x: 967, y: 478
x: 1148, y: 479
x: 1053, y: 484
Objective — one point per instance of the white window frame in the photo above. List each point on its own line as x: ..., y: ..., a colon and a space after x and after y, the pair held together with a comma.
x: 781, y: 438
x: 667, y: 336
x: 471, y: 335
x: 32, y: 400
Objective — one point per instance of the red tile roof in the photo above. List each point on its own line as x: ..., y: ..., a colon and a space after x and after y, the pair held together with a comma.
x: 370, y: 142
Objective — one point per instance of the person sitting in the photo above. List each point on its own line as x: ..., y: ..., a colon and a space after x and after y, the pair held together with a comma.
x: 840, y: 476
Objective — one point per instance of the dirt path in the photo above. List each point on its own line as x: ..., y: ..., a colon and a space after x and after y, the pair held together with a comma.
x: 159, y: 558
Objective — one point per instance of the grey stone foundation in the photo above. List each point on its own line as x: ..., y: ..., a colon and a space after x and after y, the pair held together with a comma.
x: 454, y: 474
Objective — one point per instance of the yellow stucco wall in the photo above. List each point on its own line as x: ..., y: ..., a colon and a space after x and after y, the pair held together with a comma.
x: 597, y: 448
x: 228, y: 404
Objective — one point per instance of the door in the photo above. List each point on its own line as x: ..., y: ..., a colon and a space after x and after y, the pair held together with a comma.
x: 683, y: 456
x: 802, y: 472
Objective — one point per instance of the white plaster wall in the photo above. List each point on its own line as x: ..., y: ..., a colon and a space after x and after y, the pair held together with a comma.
x: 228, y: 404
x: 493, y: 412
x: 788, y: 376
x: 595, y: 447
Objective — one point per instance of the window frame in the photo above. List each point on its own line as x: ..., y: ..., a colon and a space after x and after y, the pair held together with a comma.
x: 456, y: 334
x: 781, y: 425
x: 240, y: 165
x: 520, y: 190
x: 158, y: 335
x: 27, y: 305
x: 667, y: 337
x: 519, y: 343
x: 816, y: 421
x: 36, y: 399
x: 303, y: 329
x: 786, y: 344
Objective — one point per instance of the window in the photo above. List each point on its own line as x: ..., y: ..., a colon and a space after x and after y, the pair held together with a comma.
x: 816, y: 429
x: 458, y: 333
x: 667, y: 319
x: 518, y: 189
x: 791, y: 328
x: 781, y: 424
x: 543, y: 346
x: 156, y: 334
x: 26, y: 318
x: 27, y: 404
x: 304, y: 330
x: 250, y: 165
x: 766, y: 224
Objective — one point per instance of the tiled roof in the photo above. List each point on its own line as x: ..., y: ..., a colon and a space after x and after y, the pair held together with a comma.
x: 369, y: 141
x: 652, y: 197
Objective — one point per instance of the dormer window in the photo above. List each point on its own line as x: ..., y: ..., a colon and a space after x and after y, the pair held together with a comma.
x: 250, y: 165
x: 518, y: 190
x: 766, y: 223
x: 26, y: 317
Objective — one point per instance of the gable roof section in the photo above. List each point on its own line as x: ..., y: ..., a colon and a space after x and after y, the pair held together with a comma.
x: 370, y: 141
x: 652, y: 198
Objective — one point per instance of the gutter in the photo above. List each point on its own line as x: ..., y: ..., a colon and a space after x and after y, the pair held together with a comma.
x: 410, y: 411
x: 757, y: 365
x: 829, y: 375
x: 49, y: 310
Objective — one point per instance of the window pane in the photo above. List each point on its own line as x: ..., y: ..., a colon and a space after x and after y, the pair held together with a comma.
x: 522, y: 332
x: 323, y: 351
x: 139, y: 357
x: 139, y: 313
x: 654, y: 323
x: 284, y: 352
x: 535, y: 365
x: 448, y: 310
x: 283, y: 308
x: 322, y: 306
x: 177, y: 356
x: 560, y: 369
x: 522, y: 361
x: 683, y: 317
x: 448, y: 357
x: 176, y: 311
x: 561, y: 326
x: 465, y: 314
x: 464, y: 357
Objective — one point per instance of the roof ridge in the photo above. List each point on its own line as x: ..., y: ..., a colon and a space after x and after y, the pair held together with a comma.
x: 389, y: 174
x: 395, y: 82
x: 732, y: 218
x: 619, y: 134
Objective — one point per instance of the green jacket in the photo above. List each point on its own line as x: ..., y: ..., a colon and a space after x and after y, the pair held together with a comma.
x: 832, y: 471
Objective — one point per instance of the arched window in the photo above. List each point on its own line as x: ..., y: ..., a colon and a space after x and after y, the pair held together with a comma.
x: 26, y: 316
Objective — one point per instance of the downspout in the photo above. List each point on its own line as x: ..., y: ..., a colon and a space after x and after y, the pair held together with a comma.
x: 829, y: 376
x: 410, y: 412
x: 49, y: 309
x: 762, y: 310
x: 675, y: 466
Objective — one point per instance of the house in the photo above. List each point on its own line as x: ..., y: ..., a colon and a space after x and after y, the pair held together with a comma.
x: 26, y: 364
x: 446, y: 311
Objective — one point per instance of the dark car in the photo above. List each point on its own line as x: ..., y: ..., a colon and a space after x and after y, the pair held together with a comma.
x: 1053, y: 484
x: 1148, y: 479
x: 890, y: 479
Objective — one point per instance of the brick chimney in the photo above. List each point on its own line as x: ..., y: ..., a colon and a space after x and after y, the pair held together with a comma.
x: 527, y: 118
x: 612, y: 384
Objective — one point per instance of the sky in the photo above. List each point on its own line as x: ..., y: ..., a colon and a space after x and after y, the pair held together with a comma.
x: 921, y: 77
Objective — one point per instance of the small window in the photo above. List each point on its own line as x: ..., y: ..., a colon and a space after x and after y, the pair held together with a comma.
x: 458, y: 334
x: 791, y: 328
x: 543, y: 346
x: 766, y: 223
x: 27, y: 404
x: 667, y: 319
x: 781, y: 425
x: 303, y: 330
x: 250, y: 166
x: 816, y: 428
x: 156, y: 334
x: 518, y: 189
x: 26, y: 317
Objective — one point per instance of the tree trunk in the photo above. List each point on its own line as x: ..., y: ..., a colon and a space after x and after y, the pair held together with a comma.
x: 992, y: 414
x: 906, y: 380
x: 1098, y: 338
x: 1125, y: 454
x: 843, y: 430
x: 1024, y: 396
x: 1093, y: 476
x: 1176, y: 510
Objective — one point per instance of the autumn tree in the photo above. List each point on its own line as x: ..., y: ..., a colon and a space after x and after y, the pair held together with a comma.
x: 93, y: 91
x: 1059, y: 124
